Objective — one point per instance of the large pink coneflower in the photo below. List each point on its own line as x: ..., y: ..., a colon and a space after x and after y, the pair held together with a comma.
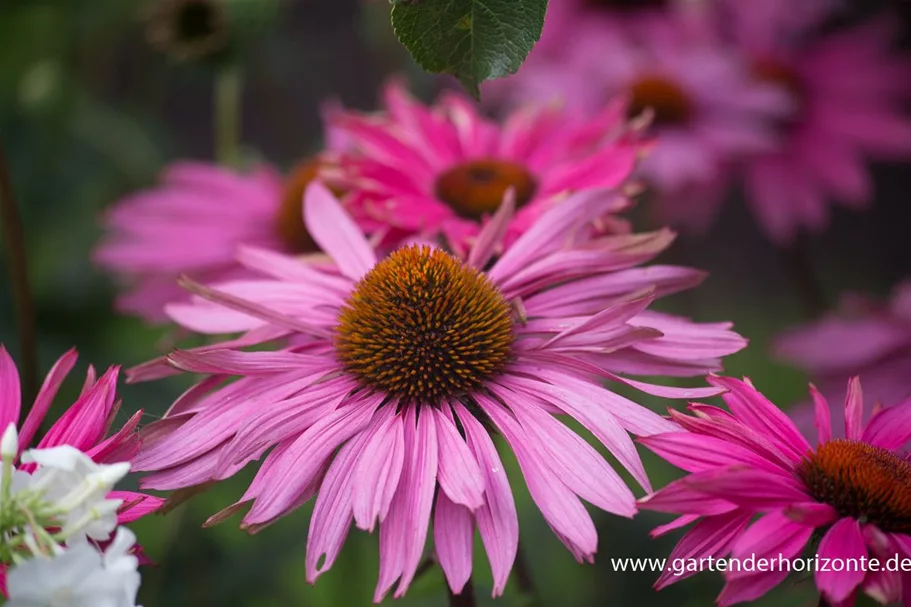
x: 752, y: 462
x: 705, y: 107
x: 863, y: 337
x: 84, y: 425
x: 443, y: 170
x: 192, y: 223
x: 848, y: 88
x: 406, y: 365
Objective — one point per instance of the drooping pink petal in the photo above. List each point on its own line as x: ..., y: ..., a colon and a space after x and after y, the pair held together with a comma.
x: 332, y: 514
x: 842, y: 541
x: 135, y: 505
x: 497, y: 519
x: 453, y: 534
x: 458, y: 473
x: 750, y: 488
x: 812, y: 514
x: 491, y: 235
x: 378, y: 468
x: 695, y: 453
x: 557, y: 502
x: 85, y: 422
x: 773, y: 536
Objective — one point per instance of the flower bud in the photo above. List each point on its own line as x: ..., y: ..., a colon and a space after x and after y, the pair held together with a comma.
x: 9, y: 444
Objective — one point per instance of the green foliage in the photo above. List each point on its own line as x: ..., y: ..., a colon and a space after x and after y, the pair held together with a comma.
x: 474, y: 40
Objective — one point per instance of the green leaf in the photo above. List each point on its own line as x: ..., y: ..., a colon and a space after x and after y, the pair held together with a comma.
x: 475, y: 40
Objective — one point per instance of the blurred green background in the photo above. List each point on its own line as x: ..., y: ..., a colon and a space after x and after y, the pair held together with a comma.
x: 89, y: 112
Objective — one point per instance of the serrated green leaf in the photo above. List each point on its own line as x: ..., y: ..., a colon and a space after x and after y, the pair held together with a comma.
x: 475, y: 40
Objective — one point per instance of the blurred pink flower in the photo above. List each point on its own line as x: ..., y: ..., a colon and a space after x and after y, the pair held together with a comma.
x: 444, y: 169
x: 863, y: 338
x: 83, y: 426
x: 192, y: 223
x: 409, y: 363
x: 706, y: 109
x: 848, y: 87
x: 753, y: 462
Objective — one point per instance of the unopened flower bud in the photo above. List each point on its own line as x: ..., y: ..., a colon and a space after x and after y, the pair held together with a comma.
x: 9, y: 444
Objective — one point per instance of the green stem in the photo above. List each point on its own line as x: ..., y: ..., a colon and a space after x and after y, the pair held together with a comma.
x: 227, y: 115
x: 14, y: 237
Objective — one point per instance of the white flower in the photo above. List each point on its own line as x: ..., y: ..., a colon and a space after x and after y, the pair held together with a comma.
x: 79, y: 576
x: 9, y: 444
x: 76, y: 486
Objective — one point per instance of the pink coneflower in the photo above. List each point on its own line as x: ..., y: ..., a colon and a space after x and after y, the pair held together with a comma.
x: 83, y: 425
x: 444, y: 169
x: 854, y: 493
x: 864, y: 337
x: 193, y: 222
x: 705, y: 107
x: 848, y: 89
x: 408, y: 364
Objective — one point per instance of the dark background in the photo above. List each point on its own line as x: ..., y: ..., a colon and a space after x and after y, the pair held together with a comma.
x: 88, y: 112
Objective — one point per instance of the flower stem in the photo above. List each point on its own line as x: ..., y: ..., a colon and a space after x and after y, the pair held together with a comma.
x: 14, y: 236
x: 227, y: 115
x: 464, y: 598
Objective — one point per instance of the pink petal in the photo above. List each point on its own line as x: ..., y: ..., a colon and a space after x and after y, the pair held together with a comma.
x: 458, y: 474
x: 453, y: 534
x: 678, y: 497
x: 695, y: 453
x: 854, y: 410
x: 557, y: 502
x: 85, y: 422
x: 711, y: 536
x: 842, y: 541
x: 46, y: 396
x: 336, y: 233
x: 135, y: 505
x: 773, y: 536
x: 750, y: 588
x: 238, y: 362
x: 749, y: 488
x: 331, y: 518
x: 10, y: 392
x: 303, y: 459
x: 822, y: 417
x: 890, y: 428
x: 491, y: 235
x: 497, y: 520
x: 812, y: 514
x: 755, y: 410
x: 884, y: 587
x: 379, y: 468
x: 677, y: 523
x: 582, y: 469
x: 404, y: 531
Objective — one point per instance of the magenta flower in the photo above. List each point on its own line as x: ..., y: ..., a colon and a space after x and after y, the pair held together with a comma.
x: 705, y: 108
x: 444, y: 170
x: 851, y: 492
x: 863, y: 337
x: 404, y: 368
x: 193, y: 222
x: 83, y: 425
x: 849, y: 89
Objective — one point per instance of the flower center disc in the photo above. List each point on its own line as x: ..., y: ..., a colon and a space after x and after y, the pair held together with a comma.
x: 475, y: 189
x: 421, y: 326
x: 290, y: 219
x: 669, y: 102
x: 861, y: 481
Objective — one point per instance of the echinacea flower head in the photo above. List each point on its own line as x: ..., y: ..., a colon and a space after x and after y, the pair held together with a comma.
x: 756, y: 488
x: 192, y: 222
x: 443, y: 170
x: 75, y: 448
x: 704, y: 108
x: 404, y: 368
x: 862, y: 337
x: 849, y: 89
